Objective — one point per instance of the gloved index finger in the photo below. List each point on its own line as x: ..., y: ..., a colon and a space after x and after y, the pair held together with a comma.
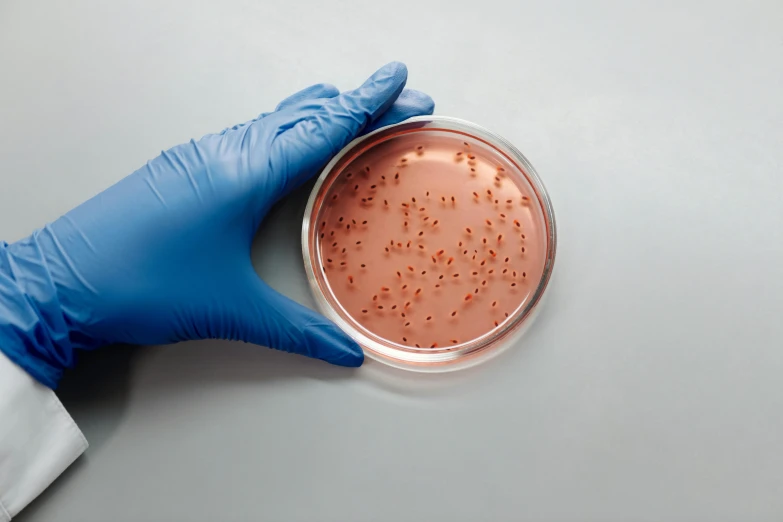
x: 410, y: 103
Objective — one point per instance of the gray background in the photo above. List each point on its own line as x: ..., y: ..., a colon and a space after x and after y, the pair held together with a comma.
x: 651, y: 387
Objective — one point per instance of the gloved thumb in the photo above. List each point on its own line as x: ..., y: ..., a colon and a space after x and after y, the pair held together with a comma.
x: 271, y: 319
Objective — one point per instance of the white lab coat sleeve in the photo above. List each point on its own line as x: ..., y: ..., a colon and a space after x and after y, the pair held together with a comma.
x: 38, y: 439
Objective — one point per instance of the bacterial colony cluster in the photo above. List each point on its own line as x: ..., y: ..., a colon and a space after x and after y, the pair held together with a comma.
x: 430, y: 244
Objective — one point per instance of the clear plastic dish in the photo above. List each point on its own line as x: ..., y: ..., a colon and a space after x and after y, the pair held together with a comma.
x: 430, y: 242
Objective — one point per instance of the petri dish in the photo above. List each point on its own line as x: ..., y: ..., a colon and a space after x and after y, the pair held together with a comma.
x: 430, y: 242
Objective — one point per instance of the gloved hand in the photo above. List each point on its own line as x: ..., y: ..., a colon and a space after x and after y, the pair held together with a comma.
x: 164, y: 255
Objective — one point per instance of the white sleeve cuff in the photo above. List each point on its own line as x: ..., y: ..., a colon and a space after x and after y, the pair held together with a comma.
x: 38, y: 439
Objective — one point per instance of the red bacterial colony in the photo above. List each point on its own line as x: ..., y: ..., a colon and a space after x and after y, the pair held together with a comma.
x: 443, y: 243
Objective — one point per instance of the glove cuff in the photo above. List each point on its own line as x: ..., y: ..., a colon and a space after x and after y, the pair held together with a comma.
x: 34, y: 333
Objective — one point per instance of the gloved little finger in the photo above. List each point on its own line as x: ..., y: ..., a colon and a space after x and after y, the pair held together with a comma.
x: 320, y: 90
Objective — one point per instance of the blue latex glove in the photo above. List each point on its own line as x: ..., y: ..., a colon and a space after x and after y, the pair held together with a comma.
x: 164, y: 255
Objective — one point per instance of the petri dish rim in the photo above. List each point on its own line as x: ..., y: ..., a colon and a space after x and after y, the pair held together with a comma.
x: 388, y: 352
